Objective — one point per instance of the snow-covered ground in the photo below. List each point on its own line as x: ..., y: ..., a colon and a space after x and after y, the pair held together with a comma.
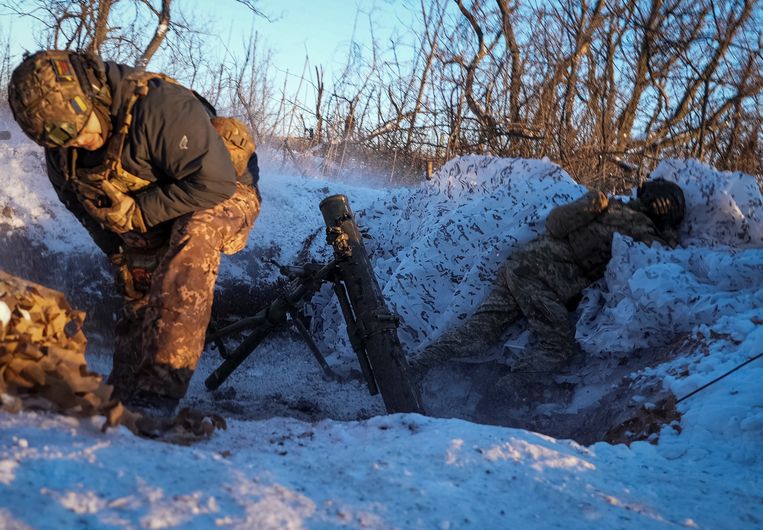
x: 301, y: 452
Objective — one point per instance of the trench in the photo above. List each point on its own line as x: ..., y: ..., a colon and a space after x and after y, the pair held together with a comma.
x: 599, y: 398
x: 609, y: 399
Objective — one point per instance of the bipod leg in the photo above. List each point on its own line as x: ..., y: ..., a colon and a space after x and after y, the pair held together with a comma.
x: 235, y: 359
x: 296, y: 318
x: 265, y: 320
x: 217, y: 340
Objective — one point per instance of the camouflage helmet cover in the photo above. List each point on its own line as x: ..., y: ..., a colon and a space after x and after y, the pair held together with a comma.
x: 238, y: 140
x: 52, y: 94
x: 664, y: 200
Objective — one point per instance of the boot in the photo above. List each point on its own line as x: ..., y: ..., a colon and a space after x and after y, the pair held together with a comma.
x: 151, y: 404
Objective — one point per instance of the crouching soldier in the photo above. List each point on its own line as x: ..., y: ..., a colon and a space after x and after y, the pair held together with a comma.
x: 545, y: 279
x: 163, y: 187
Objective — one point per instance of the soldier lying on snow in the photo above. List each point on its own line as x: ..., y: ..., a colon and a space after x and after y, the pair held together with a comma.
x: 162, y: 185
x: 545, y: 279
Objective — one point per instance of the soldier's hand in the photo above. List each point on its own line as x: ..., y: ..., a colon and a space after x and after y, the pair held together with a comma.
x: 122, y: 216
x: 661, y: 205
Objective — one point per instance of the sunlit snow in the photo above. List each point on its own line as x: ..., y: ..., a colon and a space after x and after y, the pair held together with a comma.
x: 435, y: 250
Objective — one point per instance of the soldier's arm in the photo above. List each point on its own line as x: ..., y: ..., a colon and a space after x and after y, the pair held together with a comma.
x: 182, y: 143
x: 106, y: 240
x: 646, y: 230
x: 569, y: 217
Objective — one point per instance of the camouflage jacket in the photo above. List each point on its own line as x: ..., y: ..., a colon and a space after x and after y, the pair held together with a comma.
x: 589, y: 223
x: 170, y: 143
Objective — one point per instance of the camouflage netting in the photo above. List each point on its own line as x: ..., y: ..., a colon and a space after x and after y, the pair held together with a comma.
x: 42, y: 356
x: 43, y: 367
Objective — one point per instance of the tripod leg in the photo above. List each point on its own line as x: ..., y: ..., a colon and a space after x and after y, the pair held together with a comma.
x: 233, y: 360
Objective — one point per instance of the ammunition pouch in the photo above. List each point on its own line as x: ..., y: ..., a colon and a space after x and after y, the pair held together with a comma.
x: 135, y: 269
x: 89, y: 181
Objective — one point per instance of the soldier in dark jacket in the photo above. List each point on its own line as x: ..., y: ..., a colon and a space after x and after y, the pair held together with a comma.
x: 163, y: 187
x: 542, y: 281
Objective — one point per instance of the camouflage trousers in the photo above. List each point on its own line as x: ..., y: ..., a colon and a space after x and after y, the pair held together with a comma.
x: 539, y: 283
x: 160, y: 333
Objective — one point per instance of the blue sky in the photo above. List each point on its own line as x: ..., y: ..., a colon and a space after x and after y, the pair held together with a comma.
x: 322, y: 28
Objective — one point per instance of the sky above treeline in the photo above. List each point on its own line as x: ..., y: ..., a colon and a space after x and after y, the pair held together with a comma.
x: 293, y: 29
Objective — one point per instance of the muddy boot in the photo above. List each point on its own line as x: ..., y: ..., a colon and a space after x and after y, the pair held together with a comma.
x: 199, y: 422
x: 188, y: 426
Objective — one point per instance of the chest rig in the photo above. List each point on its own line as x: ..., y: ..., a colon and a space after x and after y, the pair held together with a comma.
x: 87, y: 182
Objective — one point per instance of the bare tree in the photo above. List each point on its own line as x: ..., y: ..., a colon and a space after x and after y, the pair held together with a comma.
x: 606, y: 88
x: 161, y: 31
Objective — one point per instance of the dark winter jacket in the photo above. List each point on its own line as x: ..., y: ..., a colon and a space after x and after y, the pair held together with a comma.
x: 171, y: 143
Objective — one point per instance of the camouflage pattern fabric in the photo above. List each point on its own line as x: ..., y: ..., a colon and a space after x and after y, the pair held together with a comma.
x: 42, y: 357
x: 48, y: 98
x: 591, y: 243
x: 135, y: 270
x: 128, y: 347
x: 161, y: 336
x: 238, y: 141
x: 567, y: 218
x: 541, y: 281
x: 43, y: 367
x: 537, y: 283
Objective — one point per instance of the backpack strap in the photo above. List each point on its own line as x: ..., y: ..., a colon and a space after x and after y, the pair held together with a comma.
x: 113, y: 155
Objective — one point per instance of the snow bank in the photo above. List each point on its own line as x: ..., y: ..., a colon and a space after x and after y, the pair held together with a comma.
x: 437, y: 247
x: 27, y: 199
x: 722, y: 207
x: 290, y: 216
x: 402, y: 471
x: 654, y: 295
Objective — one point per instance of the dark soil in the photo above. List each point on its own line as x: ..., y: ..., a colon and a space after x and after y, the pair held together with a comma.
x: 612, y: 399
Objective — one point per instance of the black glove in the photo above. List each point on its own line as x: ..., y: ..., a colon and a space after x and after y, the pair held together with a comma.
x: 663, y: 206
x: 663, y: 202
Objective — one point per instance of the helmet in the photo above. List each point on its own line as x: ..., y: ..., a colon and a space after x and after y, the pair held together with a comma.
x: 238, y: 140
x: 664, y: 202
x: 53, y: 93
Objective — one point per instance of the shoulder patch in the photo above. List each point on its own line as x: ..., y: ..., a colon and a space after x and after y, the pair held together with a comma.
x: 183, y: 142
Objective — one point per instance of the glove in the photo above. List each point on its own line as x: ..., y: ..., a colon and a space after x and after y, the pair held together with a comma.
x: 663, y: 202
x: 661, y: 206
x: 122, y: 216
